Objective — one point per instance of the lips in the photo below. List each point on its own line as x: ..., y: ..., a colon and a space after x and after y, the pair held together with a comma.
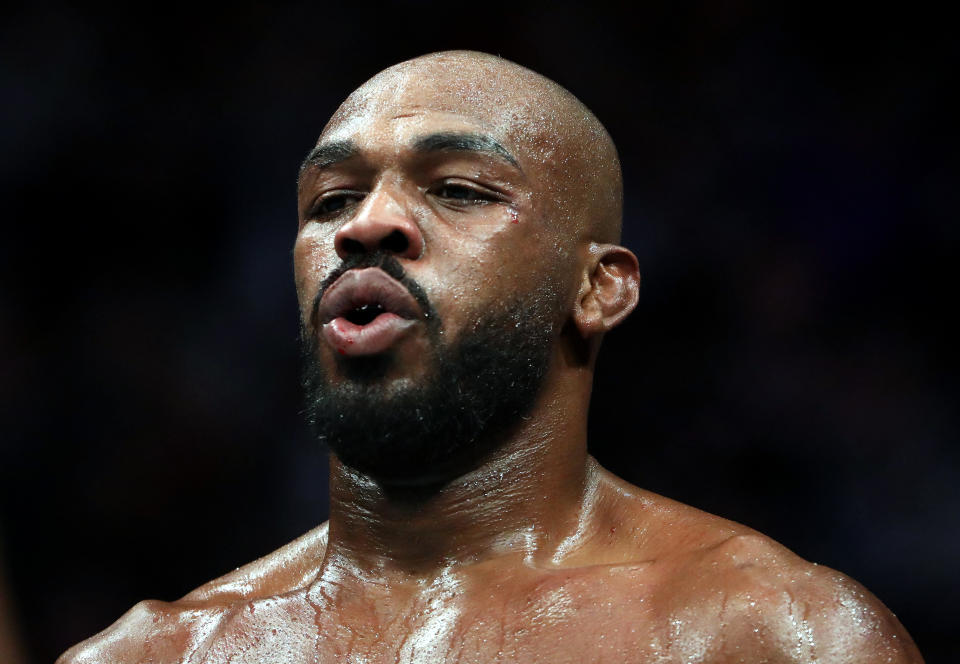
x: 366, y: 311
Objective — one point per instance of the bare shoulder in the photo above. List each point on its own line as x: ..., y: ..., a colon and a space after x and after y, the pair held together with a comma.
x: 159, y: 631
x: 289, y: 568
x: 804, y: 610
x: 633, y: 525
x: 718, y: 575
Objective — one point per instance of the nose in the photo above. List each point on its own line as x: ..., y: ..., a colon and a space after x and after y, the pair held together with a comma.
x: 381, y: 223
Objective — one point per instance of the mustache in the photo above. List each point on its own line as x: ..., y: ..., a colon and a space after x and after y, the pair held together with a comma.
x: 389, y: 264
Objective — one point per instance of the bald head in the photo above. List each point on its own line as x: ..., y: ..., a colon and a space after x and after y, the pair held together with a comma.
x: 552, y: 136
x: 471, y: 206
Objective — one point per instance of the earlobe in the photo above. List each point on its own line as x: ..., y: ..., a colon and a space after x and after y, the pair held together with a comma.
x: 609, y: 289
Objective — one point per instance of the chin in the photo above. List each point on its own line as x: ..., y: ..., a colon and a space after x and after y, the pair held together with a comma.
x: 429, y: 428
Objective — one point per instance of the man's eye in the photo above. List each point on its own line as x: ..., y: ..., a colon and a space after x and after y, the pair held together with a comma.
x: 333, y: 203
x: 461, y: 194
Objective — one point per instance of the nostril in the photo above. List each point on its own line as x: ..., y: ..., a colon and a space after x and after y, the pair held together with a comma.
x: 396, y: 242
x: 352, y: 246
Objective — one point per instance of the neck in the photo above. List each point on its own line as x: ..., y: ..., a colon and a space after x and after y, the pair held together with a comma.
x: 522, y: 501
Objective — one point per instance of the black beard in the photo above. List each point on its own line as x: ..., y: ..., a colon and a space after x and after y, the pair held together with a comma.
x: 426, y: 433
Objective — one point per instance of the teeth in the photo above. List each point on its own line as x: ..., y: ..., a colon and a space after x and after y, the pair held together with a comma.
x: 364, y: 314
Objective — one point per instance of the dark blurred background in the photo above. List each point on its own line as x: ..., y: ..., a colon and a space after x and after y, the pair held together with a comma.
x: 790, y: 194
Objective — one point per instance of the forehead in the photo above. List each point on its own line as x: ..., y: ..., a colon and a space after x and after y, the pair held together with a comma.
x: 480, y: 97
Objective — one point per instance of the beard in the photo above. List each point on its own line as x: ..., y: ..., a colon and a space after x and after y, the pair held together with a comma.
x: 407, y: 432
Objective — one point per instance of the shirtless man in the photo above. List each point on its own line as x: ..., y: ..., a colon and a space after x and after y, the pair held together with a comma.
x: 457, y: 267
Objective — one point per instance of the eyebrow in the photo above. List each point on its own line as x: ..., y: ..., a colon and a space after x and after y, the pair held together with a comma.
x: 463, y: 142
x: 329, y: 154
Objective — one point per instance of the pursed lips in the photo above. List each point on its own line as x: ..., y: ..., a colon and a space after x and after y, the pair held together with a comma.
x: 365, y: 311
x: 366, y: 287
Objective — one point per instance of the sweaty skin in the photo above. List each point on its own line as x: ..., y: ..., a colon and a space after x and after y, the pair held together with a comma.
x: 535, y: 553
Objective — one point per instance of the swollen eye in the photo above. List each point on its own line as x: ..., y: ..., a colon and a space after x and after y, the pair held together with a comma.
x: 459, y: 193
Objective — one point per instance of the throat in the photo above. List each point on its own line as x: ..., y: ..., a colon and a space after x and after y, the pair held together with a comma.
x: 492, y: 512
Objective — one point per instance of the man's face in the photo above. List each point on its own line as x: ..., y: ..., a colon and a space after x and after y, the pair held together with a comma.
x: 424, y: 246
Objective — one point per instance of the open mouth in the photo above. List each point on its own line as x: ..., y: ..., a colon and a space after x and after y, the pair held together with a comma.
x: 360, y: 296
x: 365, y: 313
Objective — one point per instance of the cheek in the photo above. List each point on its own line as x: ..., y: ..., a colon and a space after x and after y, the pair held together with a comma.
x: 487, y: 225
x: 479, y: 279
x: 313, y: 258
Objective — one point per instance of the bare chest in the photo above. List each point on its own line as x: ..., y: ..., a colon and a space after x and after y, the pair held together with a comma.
x: 554, y: 620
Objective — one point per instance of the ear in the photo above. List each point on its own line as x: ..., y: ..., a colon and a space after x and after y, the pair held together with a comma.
x: 609, y: 289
